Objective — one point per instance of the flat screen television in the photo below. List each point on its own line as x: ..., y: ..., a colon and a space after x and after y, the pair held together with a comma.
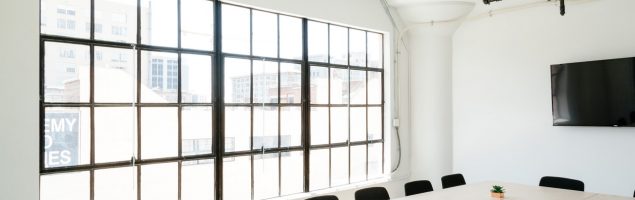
x: 594, y: 93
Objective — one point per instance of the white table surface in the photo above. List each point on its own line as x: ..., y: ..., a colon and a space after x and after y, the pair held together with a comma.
x: 513, y: 191
x: 609, y: 197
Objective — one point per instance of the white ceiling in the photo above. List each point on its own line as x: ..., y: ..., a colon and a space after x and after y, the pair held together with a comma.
x: 417, y: 11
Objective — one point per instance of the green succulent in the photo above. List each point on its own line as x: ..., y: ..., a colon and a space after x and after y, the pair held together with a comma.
x: 498, y: 189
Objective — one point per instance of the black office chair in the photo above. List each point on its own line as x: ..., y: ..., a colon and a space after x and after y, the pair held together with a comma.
x: 452, y: 180
x: 417, y: 187
x: 325, y: 197
x: 373, y: 193
x: 561, y: 183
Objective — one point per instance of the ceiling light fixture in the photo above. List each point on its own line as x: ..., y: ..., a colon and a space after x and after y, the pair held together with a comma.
x: 562, y: 7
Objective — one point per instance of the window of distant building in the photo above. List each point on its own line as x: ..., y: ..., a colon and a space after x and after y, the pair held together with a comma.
x: 157, y: 73
x: 173, y: 74
x: 66, y: 18
x: 118, y: 30
x: 98, y: 55
x: 67, y: 53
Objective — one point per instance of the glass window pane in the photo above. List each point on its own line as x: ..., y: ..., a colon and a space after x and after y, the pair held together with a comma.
x: 115, y: 75
x: 237, y: 128
x: 160, y: 181
x: 237, y: 177
x: 338, y: 45
x: 290, y: 83
x: 265, y: 127
x: 237, y: 80
x: 290, y: 126
x: 319, y: 169
x: 290, y: 37
x: 115, y: 134
x: 159, y: 77
x: 358, y: 47
x: 197, y: 180
x: 319, y: 85
x: 339, y: 86
x: 197, y: 24
x: 319, y: 125
x: 159, y: 23
x: 358, y: 163
x: 67, y: 186
x: 236, y: 31
x: 358, y: 124
x: 65, y: 18
x: 196, y: 79
x: 339, y: 166
x: 358, y: 87
x: 66, y: 73
x: 339, y: 124
x: 292, y: 172
x: 196, y: 125
x: 265, y: 80
x: 375, y: 50
x: 374, y: 88
x: 159, y: 132
x: 117, y: 19
x: 375, y: 164
x: 116, y: 183
x: 318, y: 41
x: 66, y: 137
x: 375, y: 121
x: 266, y: 176
x: 265, y: 34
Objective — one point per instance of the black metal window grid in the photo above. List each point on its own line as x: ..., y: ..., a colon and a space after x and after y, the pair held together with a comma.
x: 167, y: 72
x: 328, y: 69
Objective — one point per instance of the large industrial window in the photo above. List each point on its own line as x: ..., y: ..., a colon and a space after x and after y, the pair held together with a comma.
x: 200, y: 99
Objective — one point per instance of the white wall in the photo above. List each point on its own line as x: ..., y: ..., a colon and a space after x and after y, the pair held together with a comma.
x: 19, y: 55
x: 501, y: 96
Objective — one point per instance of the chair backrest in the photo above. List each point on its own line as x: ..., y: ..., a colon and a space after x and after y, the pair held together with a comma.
x: 373, y: 193
x: 417, y: 187
x: 452, y: 180
x: 561, y: 183
x: 325, y: 197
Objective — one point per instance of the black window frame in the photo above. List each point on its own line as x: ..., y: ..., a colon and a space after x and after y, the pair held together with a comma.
x: 329, y: 66
x: 217, y: 103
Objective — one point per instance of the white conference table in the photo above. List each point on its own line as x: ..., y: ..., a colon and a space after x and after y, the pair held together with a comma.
x: 513, y: 191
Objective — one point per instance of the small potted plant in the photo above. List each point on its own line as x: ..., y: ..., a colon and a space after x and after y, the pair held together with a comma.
x: 498, y: 191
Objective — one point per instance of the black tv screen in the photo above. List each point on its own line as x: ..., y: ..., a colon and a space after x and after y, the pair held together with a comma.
x: 595, y: 93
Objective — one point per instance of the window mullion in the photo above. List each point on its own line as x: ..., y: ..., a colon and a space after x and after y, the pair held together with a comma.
x: 348, y: 141
x: 219, y: 106
x: 179, y: 99
x: 367, y: 86
x: 138, y: 100
x: 92, y: 99
x: 279, y: 107
x: 306, y: 110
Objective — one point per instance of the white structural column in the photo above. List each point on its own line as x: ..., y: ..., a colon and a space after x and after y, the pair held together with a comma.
x: 430, y: 50
x: 431, y: 97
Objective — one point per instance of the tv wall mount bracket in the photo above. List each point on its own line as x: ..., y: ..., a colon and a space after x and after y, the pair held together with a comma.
x: 562, y: 7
